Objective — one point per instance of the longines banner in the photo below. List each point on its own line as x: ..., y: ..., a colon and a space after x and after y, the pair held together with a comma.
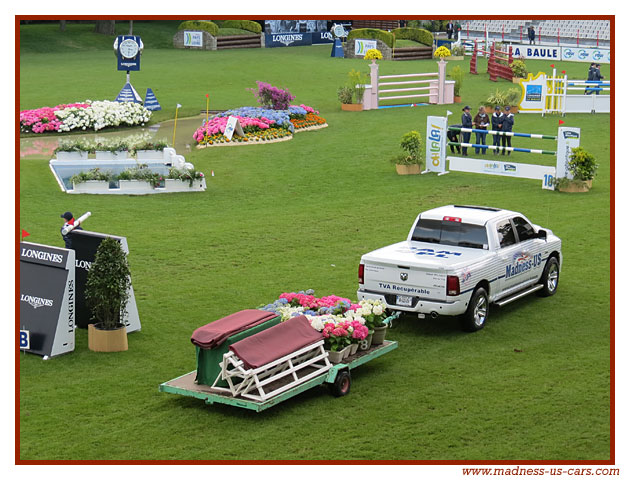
x: 85, y: 244
x: 47, y: 299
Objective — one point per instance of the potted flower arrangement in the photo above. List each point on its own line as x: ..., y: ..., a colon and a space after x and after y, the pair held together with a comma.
x: 513, y: 99
x: 337, y: 340
x: 374, y: 312
x: 458, y: 75
x: 583, y: 167
x: 373, y: 54
x: 106, y: 294
x: 409, y: 163
x: 116, y: 150
x: 441, y: 53
x: 519, y: 70
x: 494, y: 99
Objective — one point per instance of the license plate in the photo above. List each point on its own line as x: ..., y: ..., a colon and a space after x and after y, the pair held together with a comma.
x: 403, y: 300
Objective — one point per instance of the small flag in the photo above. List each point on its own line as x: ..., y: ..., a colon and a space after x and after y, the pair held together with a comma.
x: 178, y: 106
x: 212, y: 173
x: 563, y: 72
x: 560, y: 122
x: 207, y: 95
x: 552, y: 66
x: 24, y: 234
x: 448, y: 112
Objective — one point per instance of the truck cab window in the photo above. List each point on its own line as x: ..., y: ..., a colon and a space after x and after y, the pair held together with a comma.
x: 506, y: 234
x: 524, y: 230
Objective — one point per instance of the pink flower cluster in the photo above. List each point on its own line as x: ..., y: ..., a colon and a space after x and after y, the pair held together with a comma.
x: 44, y: 119
x: 345, y: 328
x: 307, y: 108
x: 312, y: 302
x: 217, y: 125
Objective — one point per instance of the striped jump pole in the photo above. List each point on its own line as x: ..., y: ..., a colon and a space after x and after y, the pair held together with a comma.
x: 505, y: 134
x: 501, y: 149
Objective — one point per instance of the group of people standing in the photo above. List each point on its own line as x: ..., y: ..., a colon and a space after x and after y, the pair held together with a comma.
x: 499, y: 121
x: 594, y: 74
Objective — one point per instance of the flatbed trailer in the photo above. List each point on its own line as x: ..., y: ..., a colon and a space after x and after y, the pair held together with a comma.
x: 338, y: 377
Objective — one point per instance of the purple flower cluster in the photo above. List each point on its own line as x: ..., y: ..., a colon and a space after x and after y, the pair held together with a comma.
x: 271, y: 96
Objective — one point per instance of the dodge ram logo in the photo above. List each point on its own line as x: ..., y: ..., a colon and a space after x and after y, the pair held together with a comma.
x: 404, y: 276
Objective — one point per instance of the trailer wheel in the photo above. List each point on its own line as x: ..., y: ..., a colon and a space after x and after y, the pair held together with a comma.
x: 342, y: 383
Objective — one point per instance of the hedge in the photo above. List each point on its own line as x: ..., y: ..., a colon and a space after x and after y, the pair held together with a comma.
x: 417, y: 34
x: 205, y: 25
x: 373, y: 34
x: 248, y: 25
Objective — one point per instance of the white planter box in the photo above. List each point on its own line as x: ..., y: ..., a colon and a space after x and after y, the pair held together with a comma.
x: 91, y: 186
x: 101, y: 155
x: 72, y: 155
x: 172, y: 185
x: 149, y: 154
x: 135, y: 187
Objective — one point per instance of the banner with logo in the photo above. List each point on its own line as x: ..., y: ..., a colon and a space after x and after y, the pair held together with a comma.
x: 128, y: 52
x: 193, y: 39
x: 590, y: 55
x: 85, y: 244
x: 505, y: 169
x: 361, y: 46
x: 436, y: 144
x: 47, y: 299
x: 288, y: 39
x: 568, y: 138
x: 321, y: 37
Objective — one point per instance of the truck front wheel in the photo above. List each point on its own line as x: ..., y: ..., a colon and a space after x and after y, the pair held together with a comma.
x: 478, y: 309
x: 549, y: 278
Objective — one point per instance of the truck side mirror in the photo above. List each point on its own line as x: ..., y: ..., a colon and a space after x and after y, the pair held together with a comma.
x: 542, y: 233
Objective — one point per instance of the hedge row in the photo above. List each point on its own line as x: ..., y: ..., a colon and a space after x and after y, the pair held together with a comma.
x: 204, y: 25
x: 416, y: 34
x: 248, y: 25
x: 373, y: 34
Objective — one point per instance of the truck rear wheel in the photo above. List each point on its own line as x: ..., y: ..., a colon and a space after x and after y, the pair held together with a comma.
x: 550, y: 278
x: 342, y: 383
x: 478, y: 309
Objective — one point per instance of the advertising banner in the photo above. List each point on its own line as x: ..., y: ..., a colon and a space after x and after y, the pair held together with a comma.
x: 321, y: 37
x: 193, y: 39
x: 505, y: 169
x: 534, y: 52
x: 361, y: 46
x: 436, y: 145
x: 590, y: 55
x: 47, y: 299
x: 568, y: 138
x: 85, y: 244
x: 287, y: 39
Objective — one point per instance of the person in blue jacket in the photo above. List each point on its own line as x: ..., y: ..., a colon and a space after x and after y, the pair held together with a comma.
x: 467, y: 122
x: 497, y: 125
x: 68, y: 220
x: 508, y: 123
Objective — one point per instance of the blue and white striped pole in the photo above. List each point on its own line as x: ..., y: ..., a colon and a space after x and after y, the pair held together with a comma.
x: 505, y: 134
x: 502, y: 149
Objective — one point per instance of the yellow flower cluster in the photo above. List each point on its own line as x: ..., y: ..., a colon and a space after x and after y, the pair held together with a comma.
x: 442, y: 52
x: 373, y: 54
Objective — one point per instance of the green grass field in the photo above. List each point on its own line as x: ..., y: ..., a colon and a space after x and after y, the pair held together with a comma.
x: 533, y: 385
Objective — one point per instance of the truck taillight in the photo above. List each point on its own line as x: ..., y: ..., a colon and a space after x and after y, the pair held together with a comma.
x: 361, y: 273
x: 452, y: 219
x: 452, y: 285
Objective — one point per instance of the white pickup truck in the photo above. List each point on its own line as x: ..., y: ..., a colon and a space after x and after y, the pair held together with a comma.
x: 459, y: 259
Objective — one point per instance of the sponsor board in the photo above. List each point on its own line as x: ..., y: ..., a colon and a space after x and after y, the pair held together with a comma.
x: 361, y: 46
x: 193, y: 39
x: 288, y: 39
x: 436, y: 144
x: 576, y: 54
x: 531, y: 52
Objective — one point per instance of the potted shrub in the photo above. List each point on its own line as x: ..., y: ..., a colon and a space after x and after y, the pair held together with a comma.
x: 458, y: 75
x: 351, y: 94
x: 409, y: 163
x: 494, y: 99
x: 519, y: 70
x: 116, y: 150
x: 513, y: 99
x: 583, y: 167
x: 90, y: 181
x: 457, y: 52
x: 106, y: 294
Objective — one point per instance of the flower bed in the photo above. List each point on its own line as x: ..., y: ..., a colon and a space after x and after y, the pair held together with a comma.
x: 89, y: 115
x: 260, y: 125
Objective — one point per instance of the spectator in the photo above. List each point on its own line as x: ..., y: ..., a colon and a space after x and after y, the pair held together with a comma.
x: 466, y: 123
x: 531, y: 34
x: 497, y: 126
x: 597, y: 76
x: 591, y: 72
x: 69, y: 220
x: 480, y: 122
x: 450, y: 28
x: 453, y: 136
x: 508, y: 123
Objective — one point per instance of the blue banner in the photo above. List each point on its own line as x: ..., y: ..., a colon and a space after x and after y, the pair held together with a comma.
x: 321, y: 37
x: 287, y: 39
x: 128, y: 94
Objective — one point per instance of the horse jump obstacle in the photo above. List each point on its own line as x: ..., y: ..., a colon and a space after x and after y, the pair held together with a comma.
x: 437, y: 144
x: 495, y: 69
x: 543, y: 94
x: 433, y: 87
